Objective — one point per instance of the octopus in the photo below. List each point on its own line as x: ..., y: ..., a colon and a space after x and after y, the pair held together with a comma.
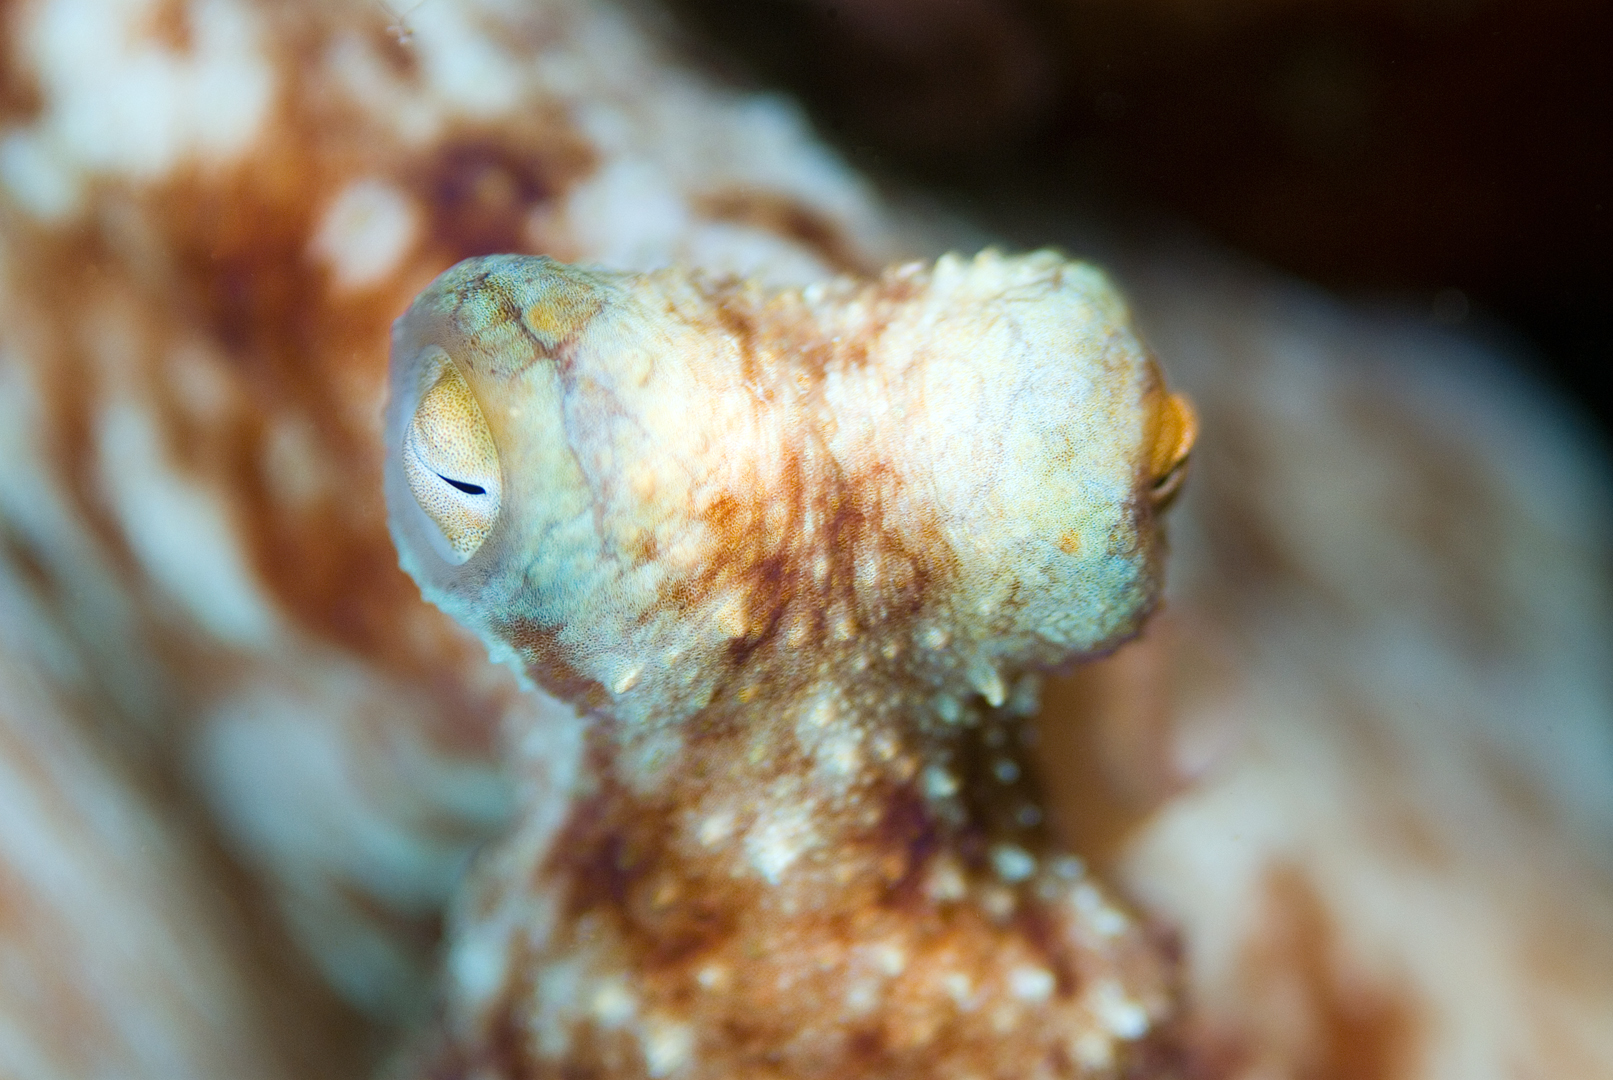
x: 797, y: 559
x: 1342, y: 806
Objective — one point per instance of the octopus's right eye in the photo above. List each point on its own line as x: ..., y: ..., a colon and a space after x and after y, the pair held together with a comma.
x: 452, y: 465
x: 1176, y: 428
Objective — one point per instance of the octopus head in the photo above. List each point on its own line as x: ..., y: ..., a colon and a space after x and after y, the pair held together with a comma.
x: 634, y: 484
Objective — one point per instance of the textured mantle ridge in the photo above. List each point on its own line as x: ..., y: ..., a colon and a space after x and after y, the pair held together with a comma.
x: 796, y: 560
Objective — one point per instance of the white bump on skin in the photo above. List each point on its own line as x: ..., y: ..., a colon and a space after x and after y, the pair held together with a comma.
x: 777, y: 839
x: 959, y: 989
x: 613, y: 1005
x: 946, y: 881
x: 1031, y: 983
x: 836, y: 748
x: 985, y: 679
x: 998, y: 903
x: 365, y: 233
x: 1103, y: 918
x: 890, y: 959
x: 1012, y: 863
x: 1093, y: 1050
x: 839, y: 755
x: 715, y: 829
x: 478, y: 964
x: 1068, y: 867
x: 862, y: 997
x: 627, y: 679
x: 1122, y: 1016
x: 938, y: 783
x: 667, y: 1046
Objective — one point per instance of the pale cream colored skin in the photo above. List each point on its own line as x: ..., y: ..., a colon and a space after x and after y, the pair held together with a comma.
x: 798, y: 558
x: 1010, y: 416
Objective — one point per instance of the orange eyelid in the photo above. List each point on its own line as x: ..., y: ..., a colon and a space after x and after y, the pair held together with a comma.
x: 1176, y: 428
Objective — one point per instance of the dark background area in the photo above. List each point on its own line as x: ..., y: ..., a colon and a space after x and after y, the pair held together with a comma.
x: 1455, y: 155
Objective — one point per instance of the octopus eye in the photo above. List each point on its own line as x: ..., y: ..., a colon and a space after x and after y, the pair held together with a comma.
x: 1176, y: 427
x: 452, y: 465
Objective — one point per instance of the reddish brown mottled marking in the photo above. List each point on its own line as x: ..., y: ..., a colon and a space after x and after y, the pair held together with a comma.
x: 482, y: 187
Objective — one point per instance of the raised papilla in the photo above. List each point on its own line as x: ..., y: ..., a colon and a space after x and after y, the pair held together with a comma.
x: 795, y: 560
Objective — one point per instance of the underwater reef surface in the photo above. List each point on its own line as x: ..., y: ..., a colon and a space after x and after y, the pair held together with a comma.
x: 1353, y: 783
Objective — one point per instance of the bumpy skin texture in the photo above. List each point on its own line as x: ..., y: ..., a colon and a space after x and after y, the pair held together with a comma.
x: 797, y: 559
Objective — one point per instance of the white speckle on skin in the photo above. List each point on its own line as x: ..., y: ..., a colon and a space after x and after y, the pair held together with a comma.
x: 714, y: 829
x: 1068, y: 867
x: 613, y: 1004
x: 998, y: 902
x: 1012, y: 864
x: 890, y: 959
x: 938, y: 783
x: 667, y: 1045
x: 1006, y: 770
x: 478, y: 963
x: 1103, y: 918
x: 959, y: 989
x: 862, y: 996
x: 840, y: 755
x: 1122, y: 1016
x: 627, y: 679
x: 821, y: 713
x: 984, y: 678
x: 777, y: 839
x: 835, y: 747
x: 1093, y: 1050
x: 946, y: 881
x: 365, y: 233
x: 1030, y: 983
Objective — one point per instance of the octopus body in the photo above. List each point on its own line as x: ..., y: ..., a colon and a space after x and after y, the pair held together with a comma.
x: 794, y: 561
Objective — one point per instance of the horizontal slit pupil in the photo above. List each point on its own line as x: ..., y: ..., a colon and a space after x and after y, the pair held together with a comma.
x: 468, y: 489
